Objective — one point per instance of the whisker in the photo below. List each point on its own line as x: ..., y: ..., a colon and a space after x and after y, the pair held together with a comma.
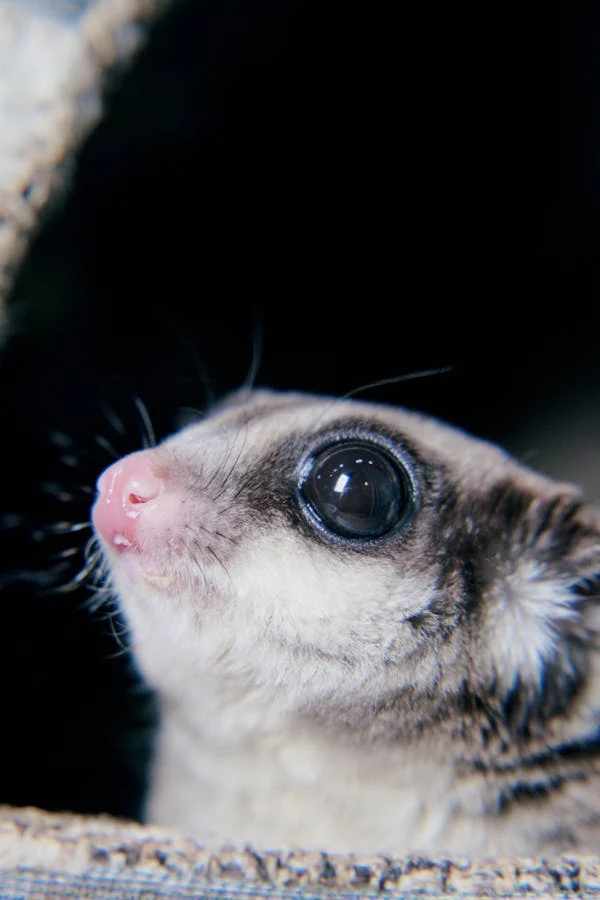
x: 59, y: 528
x: 195, y: 357
x: 106, y: 445
x: 118, y: 635
x: 214, y: 555
x: 67, y: 554
x: 195, y: 560
x: 113, y: 420
x: 69, y: 460
x: 103, y: 597
x: 93, y: 548
x: 188, y: 415
x: 77, y: 580
x: 60, y: 439
x: 225, y: 537
x: 148, y: 436
x: 397, y: 379
x: 57, y: 491
x: 210, y: 532
x: 242, y: 487
x: 255, y: 360
x: 219, y: 468
x: 225, y: 480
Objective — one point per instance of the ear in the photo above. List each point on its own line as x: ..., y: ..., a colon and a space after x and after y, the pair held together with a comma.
x: 540, y: 618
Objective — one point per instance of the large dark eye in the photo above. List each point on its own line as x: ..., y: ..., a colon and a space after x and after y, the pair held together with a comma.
x: 356, y: 490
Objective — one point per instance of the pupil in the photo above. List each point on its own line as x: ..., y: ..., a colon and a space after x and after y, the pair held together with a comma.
x: 356, y: 491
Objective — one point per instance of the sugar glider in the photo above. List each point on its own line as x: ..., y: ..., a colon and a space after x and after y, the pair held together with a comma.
x: 368, y: 631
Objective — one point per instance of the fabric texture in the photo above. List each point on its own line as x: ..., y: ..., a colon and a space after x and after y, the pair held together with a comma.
x: 50, y: 856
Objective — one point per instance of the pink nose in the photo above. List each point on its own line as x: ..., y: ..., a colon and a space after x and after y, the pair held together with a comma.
x: 126, y: 489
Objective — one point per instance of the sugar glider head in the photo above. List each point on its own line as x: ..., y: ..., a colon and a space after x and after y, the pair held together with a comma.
x: 345, y: 555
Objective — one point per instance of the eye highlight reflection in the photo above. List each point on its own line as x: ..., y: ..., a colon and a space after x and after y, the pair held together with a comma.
x: 355, y: 489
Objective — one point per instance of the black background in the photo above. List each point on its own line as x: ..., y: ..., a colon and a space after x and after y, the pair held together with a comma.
x: 357, y: 191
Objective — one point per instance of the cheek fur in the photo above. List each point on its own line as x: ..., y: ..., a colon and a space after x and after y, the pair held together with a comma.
x: 352, y: 608
x: 526, y: 613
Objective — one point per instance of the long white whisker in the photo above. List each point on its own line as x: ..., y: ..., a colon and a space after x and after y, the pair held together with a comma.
x: 61, y: 528
x: 77, y: 580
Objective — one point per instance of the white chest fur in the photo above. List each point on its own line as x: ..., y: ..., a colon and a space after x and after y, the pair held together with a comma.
x: 292, y: 787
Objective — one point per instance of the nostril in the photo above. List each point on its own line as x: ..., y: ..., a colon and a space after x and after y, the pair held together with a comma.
x: 127, y: 491
x: 138, y: 498
x: 138, y: 483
